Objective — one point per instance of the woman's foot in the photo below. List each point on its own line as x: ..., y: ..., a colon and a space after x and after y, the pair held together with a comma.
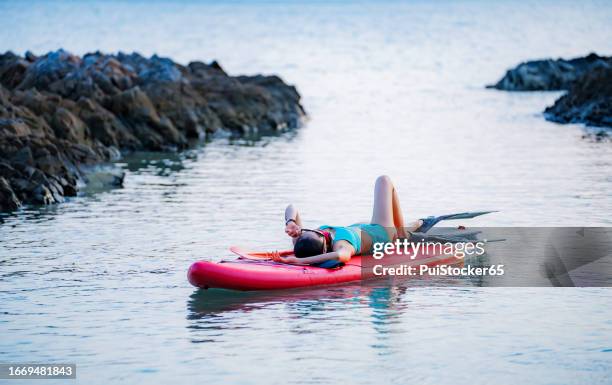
x: 406, y: 232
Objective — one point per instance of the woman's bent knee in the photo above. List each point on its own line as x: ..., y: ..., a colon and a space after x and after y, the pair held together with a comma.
x: 384, y: 179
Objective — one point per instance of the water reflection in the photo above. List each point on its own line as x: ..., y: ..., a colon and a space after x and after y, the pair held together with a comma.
x: 262, y: 140
x: 33, y: 213
x: 217, y: 309
x: 203, y: 303
x: 168, y: 163
x: 164, y: 164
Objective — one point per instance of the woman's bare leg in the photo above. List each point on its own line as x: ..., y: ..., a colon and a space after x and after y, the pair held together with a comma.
x: 387, y: 211
x: 398, y: 217
x: 382, y: 213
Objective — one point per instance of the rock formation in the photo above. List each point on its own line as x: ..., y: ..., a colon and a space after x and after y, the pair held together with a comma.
x: 60, y: 111
x: 588, y: 101
x: 588, y: 82
x: 549, y: 74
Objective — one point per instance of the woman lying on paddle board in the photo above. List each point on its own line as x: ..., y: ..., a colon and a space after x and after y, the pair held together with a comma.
x: 329, y: 246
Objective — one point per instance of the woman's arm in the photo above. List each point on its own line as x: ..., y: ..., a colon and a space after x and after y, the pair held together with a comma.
x: 291, y: 213
x: 293, y: 222
x: 343, y: 254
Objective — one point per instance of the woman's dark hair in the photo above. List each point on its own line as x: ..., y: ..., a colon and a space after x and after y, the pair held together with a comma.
x: 308, y: 244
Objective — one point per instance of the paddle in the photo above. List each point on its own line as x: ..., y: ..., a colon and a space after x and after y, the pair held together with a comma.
x: 259, y: 256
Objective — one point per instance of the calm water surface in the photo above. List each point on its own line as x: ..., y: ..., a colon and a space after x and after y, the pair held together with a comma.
x: 391, y: 88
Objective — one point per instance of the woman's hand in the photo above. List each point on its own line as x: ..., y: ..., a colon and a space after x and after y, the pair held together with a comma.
x: 343, y: 255
x: 293, y: 230
x: 292, y: 260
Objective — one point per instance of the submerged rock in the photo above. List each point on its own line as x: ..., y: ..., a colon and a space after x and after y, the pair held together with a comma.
x: 103, y: 177
x: 588, y: 101
x: 550, y: 75
x: 60, y: 111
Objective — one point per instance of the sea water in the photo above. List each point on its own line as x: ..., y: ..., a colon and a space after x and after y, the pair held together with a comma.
x: 394, y: 88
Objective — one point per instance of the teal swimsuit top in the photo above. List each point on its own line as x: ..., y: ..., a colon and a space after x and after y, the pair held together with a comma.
x: 352, y: 235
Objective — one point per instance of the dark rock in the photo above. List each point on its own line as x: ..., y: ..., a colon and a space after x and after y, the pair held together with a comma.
x: 134, y: 107
x: 101, y: 177
x: 12, y: 69
x: 42, y: 195
x: 68, y: 126
x: 50, y: 69
x: 70, y: 190
x: 8, y: 199
x: 23, y: 156
x: 588, y: 101
x: 30, y: 56
x: 116, y: 178
x: 59, y: 112
x: 56, y: 190
x: 15, y: 127
x: 21, y: 185
x: 550, y: 75
x: 106, y: 127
